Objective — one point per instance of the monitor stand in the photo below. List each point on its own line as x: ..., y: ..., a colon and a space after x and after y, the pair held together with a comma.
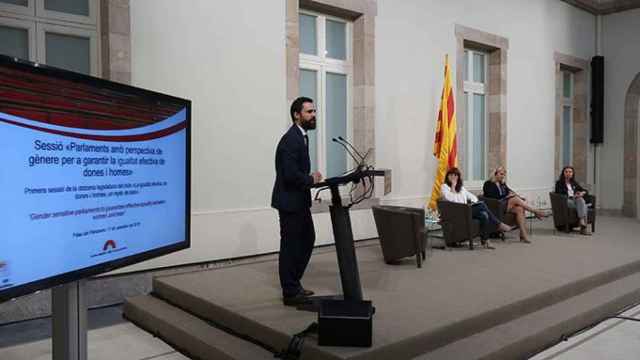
x: 69, y: 321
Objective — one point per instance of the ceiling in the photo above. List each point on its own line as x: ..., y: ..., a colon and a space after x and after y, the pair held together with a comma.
x: 603, y: 7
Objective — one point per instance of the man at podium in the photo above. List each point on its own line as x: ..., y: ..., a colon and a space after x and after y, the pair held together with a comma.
x: 292, y: 198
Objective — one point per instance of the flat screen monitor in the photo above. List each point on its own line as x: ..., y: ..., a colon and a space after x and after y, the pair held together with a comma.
x: 94, y: 175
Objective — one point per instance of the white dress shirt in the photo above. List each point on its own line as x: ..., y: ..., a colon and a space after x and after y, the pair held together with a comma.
x: 570, y: 192
x: 461, y: 197
x: 304, y: 133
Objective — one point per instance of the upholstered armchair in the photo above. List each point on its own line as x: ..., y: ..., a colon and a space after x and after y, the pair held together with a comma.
x: 457, y: 224
x: 565, y: 218
x: 401, y: 232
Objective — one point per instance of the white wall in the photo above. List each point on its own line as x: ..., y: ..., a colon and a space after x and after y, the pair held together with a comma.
x: 229, y: 58
x: 622, y: 64
x: 412, y: 38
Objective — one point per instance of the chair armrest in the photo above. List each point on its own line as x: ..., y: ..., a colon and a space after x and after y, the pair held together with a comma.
x: 451, y: 210
x: 496, y: 206
x: 400, y: 209
x: 456, y: 221
x: 592, y: 201
x: 560, y: 208
x: 456, y: 214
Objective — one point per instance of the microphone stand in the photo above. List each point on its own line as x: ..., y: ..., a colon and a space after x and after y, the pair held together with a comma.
x: 362, y: 158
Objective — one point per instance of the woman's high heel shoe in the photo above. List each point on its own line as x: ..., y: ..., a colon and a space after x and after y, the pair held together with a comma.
x: 540, y: 214
x: 505, y: 228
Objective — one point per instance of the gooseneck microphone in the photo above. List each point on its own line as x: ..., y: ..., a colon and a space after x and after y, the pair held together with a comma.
x: 353, y: 148
x: 347, y: 150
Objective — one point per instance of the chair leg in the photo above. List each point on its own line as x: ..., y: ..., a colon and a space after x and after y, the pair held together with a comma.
x: 425, y: 243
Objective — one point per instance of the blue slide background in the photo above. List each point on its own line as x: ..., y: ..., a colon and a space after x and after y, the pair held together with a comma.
x: 32, y: 250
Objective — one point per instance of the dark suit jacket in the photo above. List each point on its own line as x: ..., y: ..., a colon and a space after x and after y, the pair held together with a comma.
x: 291, y: 191
x: 490, y: 190
x: 561, y: 188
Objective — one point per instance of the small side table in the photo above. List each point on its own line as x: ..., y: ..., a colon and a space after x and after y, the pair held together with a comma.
x: 432, y: 229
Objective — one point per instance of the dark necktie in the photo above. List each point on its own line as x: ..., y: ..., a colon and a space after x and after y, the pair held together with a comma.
x: 306, y: 140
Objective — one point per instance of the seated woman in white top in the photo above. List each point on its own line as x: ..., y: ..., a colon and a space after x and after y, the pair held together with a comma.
x: 452, y: 190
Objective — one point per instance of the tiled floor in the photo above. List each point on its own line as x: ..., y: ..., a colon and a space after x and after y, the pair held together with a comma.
x: 111, y: 337
x: 613, y: 339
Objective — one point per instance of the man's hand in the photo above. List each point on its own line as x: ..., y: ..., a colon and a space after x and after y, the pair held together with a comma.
x: 317, y: 177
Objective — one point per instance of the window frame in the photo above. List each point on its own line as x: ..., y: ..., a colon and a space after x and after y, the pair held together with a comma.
x: 36, y: 23
x: 43, y: 28
x: 570, y: 103
x: 323, y: 65
x: 30, y: 26
x: 319, y: 111
x: 91, y: 19
x: 30, y: 9
x: 470, y: 88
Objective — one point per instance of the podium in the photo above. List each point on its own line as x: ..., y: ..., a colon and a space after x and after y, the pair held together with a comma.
x: 344, y: 320
x: 343, y: 235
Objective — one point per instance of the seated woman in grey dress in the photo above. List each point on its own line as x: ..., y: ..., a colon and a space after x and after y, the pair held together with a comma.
x: 452, y: 190
x: 578, y: 197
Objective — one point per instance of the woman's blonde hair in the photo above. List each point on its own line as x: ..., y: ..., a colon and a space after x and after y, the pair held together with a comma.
x: 493, y: 174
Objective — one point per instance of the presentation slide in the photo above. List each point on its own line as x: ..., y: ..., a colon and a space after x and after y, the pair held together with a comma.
x: 89, y: 176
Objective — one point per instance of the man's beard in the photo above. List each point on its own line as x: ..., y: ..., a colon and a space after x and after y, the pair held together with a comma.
x: 309, y: 125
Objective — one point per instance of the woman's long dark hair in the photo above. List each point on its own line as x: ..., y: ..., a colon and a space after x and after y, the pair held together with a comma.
x: 573, y: 177
x: 454, y: 170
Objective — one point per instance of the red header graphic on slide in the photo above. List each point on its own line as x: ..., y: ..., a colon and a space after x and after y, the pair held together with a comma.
x: 109, y: 247
x: 66, y: 103
x: 109, y: 244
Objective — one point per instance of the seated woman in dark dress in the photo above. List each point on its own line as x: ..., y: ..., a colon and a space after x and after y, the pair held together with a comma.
x: 578, y: 197
x: 496, y: 188
x: 452, y: 190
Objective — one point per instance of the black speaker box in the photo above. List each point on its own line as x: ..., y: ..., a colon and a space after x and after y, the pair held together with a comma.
x: 597, y: 100
x: 345, y: 323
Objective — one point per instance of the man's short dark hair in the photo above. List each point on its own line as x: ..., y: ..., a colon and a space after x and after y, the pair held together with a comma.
x: 296, y: 106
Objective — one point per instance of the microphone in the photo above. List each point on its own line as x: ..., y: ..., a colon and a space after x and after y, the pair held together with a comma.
x: 364, y: 158
x: 346, y: 149
x: 354, y: 149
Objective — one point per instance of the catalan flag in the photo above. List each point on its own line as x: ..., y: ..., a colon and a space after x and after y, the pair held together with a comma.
x: 445, y: 144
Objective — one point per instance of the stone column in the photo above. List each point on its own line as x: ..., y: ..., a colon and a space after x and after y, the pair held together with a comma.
x: 115, y: 22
